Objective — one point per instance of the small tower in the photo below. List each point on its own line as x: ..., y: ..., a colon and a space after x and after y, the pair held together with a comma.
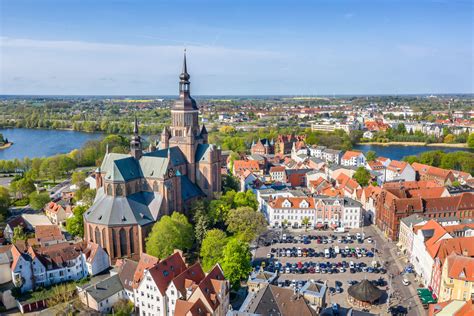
x: 204, y: 134
x: 165, y: 138
x: 136, y: 142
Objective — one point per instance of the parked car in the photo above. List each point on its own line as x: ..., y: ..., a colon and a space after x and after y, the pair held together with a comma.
x: 406, y: 282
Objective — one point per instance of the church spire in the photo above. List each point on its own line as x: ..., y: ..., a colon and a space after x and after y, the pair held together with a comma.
x: 136, y: 142
x: 135, y: 127
x: 184, y: 73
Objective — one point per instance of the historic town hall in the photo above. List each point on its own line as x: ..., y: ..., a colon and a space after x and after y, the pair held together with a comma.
x: 134, y: 190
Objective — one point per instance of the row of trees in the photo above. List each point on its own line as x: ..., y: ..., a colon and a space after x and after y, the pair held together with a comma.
x: 401, y: 134
x: 220, y: 231
x: 458, y: 160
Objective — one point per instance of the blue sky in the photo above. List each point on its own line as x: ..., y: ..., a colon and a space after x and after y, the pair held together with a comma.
x: 236, y: 47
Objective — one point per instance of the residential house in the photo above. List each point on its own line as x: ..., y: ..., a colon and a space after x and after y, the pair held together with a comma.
x: 463, y: 246
x: 278, y: 174
x: 353, y: 158
x: 45, y: 266
x: 332, y: 156
x: 169, y: 287
x: 278, y: 301
x: 317, y: 151
x: 296, y: 177
x: 399, y: 171
x: 321, y: 211
x: 240, y: 166
x: 103, y: 295
x: 425, y: 242
x: 259, y: 279
x: 406, y: 235
x: 457, y: 278
x: 58, y: 212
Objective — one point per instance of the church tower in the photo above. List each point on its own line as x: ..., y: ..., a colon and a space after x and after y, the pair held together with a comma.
x: 184, y: 129
x: 184, y: 114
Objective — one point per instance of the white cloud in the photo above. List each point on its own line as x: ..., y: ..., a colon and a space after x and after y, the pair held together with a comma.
x: 45, y: 66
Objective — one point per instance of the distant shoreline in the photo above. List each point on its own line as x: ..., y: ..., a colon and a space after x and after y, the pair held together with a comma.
x: 459, y: 145
x: 6, y: 145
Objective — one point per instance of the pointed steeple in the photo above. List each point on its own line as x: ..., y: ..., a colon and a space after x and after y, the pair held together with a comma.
x: 136, y: 142
x: 135, y: 127
x: 184, y: 73
x: 203, y: 129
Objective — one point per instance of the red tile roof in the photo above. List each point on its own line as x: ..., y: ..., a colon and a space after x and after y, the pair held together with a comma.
x: 166, y: 270
x: 460, y: 267
x: 145, y: 262
x: 294, y: 201
x: 350, y: 154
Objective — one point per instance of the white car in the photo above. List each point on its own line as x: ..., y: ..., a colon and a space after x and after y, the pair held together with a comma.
x: 370, y: 240
x: 406, y: 282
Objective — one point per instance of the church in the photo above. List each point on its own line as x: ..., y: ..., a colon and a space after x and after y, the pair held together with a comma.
x: 134, y: 190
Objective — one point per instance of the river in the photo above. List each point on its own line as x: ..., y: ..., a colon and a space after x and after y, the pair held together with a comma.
x: 42, y: 142
x: 397, y: 152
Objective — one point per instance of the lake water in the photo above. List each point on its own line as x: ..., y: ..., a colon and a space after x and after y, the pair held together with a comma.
x: 397, y: 152
x: 42, y: 142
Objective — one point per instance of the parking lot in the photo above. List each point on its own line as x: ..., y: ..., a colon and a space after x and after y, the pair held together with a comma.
x: 339, y: 259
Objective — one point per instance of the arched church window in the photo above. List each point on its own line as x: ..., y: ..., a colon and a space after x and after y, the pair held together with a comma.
x: 109, y: 189
x: 119, y: 190
x: 205, y: 178
x: 103, y: 238
x: 123, y: 242
x: 114, y: 244
x: 132, y: 248
x: 91, y: 238
x: 97, y: 237
x: 155, y: 186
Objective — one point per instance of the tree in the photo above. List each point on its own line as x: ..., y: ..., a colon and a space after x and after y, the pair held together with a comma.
x: 362, y: 176
x: 18, y: 234
x: 246, y: 198
x: 218, y: 211
x: 78, y: 178
x: 401, y: 129
x: 22, y: 187
x: 87, y: 196
x: 236, y: 261
x: 39, y: 200
x: 123, y: 307
x: 470, y: 140
x: 201, y: 223
x: 410, y: 159
x: 4, y: 200
x: 212, y: 248
x: 305, y: 222
x: 75, y: 224
x: 170, y: 233
x: 230, y: 182
x: 449, y: 139
x: 246, y: 223
x: 370, y: 155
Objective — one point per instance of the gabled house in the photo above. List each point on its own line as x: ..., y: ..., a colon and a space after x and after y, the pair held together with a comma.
x: 353, y: 158
x: 399, y: 171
